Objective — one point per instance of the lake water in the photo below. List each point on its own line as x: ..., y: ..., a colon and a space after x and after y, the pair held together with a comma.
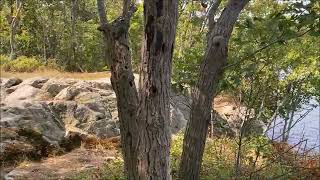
x: 308, y: 129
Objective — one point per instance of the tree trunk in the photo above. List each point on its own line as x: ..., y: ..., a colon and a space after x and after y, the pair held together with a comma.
x: 14, y: 24
x: 160, y: 21
x: 144, y: 120
x: 122, y: 79
x: 202, y: 96
x: 74, y: 43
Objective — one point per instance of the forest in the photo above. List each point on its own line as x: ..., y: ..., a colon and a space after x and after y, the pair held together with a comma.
x: 247, y: 73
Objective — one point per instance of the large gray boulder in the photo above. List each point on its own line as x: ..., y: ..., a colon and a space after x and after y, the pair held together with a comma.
x: 23, y: 92
x: 35, y: 116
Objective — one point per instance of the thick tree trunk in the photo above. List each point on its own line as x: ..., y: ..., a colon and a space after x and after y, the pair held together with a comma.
x: 202, y: 96
x: 160, y: 21
x: 144, y: 120
x: 14, y: 24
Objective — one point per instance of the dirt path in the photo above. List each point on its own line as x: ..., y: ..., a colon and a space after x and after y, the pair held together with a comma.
x: 62, y: 167
x: 56, y: 74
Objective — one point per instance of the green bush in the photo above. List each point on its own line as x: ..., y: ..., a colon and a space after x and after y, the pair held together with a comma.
x: 22, y: 64
x: 3, y: 60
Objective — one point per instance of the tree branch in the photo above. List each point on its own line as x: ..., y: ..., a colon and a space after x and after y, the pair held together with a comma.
x: 212, y: 12
x: 125, y: 7
x: 228, y: 18
x: 102, y: 13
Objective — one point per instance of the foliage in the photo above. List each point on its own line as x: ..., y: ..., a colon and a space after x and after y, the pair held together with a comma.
x: 3, y: 60
x: 136, y: 34
x: 22, y: 64
x: 189, y: 47
x: 274, y: 62
x: 45, y: 31
x: 274, y: 160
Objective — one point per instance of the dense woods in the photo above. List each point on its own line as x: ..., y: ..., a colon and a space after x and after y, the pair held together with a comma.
x: 263, y: 53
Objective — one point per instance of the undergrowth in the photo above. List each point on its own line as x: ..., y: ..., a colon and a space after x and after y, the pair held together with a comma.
x: 260, y: 159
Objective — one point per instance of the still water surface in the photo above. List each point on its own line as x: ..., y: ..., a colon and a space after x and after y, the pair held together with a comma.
x: 308, y: 129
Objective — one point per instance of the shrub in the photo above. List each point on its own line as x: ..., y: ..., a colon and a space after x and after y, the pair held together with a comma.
x: 52, y: 64
x: 219, y: 161
x: 22, y: 64
x: 3, y: 60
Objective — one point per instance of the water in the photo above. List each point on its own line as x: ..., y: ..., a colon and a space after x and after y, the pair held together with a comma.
x: 306, y: 130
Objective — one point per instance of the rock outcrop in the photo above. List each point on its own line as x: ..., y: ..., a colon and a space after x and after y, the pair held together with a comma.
x: 52, y: 108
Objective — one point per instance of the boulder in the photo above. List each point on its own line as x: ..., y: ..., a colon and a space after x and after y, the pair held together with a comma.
x: 54, y: 86
x: 179, y: 111
x: 24, y: 92
x: 37, y: 82
x: 36, y: 116
x: 69, y: 93
x: 253, y: 126
x: 178, y: 120
x: 22, y: 142
x: 11, y: 82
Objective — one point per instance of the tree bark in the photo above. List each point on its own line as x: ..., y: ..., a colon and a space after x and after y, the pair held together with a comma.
x: 122, y: 79
x: 144, y: 119
x: 215, y: 59
x: 14, y: 24
x: 160, y: 21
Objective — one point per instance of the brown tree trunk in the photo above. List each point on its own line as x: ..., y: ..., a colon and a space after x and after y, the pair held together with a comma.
x: 144, y: 120
x: 122, y: 79
x: 160, y: 21
x: 202, y: 96
x: 14, y: 24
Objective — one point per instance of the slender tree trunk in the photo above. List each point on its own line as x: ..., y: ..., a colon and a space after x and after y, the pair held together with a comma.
x: 44, y: 43
x: 160, y: 21
x: 74, y: 43
x: 202, y: 96
x: 122, y: 79
x: 14, y: 24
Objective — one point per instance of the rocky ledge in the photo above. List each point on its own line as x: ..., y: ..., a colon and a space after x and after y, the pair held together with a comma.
x: 41, y: 115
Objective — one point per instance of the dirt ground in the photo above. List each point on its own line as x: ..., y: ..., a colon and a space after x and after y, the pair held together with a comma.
x: 55, y: 74
x: 62, y: 167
